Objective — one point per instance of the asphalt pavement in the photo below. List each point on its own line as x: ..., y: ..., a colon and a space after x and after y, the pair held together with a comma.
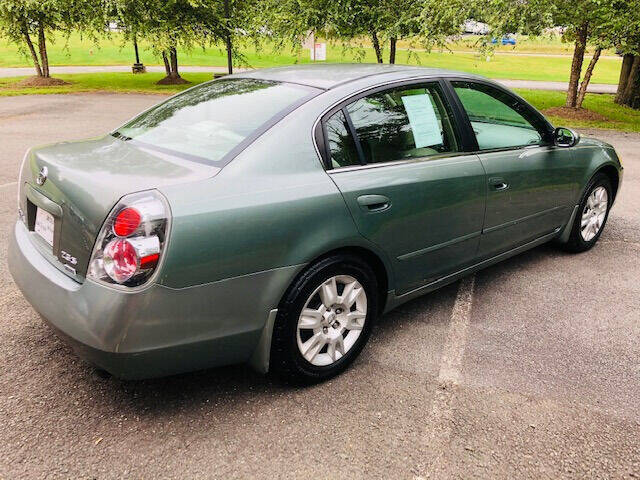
x: 529, y: 369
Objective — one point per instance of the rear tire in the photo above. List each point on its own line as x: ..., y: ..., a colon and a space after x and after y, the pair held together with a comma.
x: 324, y: 320
x: 592, y: 215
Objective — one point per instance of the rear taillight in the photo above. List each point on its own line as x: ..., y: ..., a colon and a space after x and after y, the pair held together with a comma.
x: 126, y: 222
x: 130, y: 244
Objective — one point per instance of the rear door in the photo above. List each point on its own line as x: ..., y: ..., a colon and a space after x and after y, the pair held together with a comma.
x: 530, y: 182
x: 396, y: 155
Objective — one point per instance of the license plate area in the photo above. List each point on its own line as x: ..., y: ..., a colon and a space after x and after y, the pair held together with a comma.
x: 44, y: 225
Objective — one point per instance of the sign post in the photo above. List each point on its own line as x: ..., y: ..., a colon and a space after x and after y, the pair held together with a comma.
x: 309, y: 42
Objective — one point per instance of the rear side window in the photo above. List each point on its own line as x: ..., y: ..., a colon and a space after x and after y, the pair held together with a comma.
x: 498, y: 119
x: 342, y: 148
x: 403, y: 123
x: 210, y: 120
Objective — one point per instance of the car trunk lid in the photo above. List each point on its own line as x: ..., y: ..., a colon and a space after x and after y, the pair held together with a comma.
x: 78, y: 183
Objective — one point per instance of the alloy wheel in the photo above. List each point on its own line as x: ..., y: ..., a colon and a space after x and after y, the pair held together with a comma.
x: 331, y: 320
x: 594, y: 213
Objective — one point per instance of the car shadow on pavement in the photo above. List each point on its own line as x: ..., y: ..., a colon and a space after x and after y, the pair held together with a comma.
x: 233, y: 383
x: 229, y: 384
x: 408, y: 338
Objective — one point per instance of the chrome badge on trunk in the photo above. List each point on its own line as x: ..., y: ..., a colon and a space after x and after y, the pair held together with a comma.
x: 42, y: 176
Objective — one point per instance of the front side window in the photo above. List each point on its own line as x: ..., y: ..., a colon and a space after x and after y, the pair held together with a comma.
x: 403, y: 123
x: 209, y: 120
x: 498, y: 119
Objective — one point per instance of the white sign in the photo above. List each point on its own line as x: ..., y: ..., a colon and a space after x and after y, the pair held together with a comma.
x: 423, y: 120
x: 319, y: 52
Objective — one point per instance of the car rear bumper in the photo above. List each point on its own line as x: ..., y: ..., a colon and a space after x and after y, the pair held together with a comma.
x: 157, y: 331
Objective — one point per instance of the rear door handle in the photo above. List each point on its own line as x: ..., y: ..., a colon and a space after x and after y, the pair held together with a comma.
x: 374, y: 203
x: 498, y: 184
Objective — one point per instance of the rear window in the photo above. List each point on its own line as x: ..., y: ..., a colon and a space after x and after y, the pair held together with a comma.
x: 209, y: 121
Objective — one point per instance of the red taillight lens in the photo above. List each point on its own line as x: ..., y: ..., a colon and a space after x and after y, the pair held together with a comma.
x: 120, y: 260
x: 149, y: 261
x: 126, y: 222
x: 130, y: 245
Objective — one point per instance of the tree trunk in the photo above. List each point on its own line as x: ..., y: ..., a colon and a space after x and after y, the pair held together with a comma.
x: 392, y: 50
x: 167, y: 67
x: 376, y: 46
x: 627, y: 63
x: 170, y: 58
x: 174, y: 62
x: 587, y: 77
x: 631, y: 95
x: 227, y: 14
x: 576, y: 65
x: 42, y: 45
x: 32, y: 49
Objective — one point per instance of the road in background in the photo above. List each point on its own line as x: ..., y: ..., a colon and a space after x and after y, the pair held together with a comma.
x: 529, y: 370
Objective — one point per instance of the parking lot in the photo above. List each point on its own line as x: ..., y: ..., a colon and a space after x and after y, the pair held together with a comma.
x: 529, y: 369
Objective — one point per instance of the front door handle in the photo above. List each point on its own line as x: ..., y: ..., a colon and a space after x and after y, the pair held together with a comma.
x: 498, y: 184
x: 374, y: 203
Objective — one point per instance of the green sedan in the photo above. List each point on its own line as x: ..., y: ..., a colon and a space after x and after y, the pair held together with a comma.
x: 269, y: 217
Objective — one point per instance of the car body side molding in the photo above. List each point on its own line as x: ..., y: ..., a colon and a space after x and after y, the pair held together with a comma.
x: 395, y: 301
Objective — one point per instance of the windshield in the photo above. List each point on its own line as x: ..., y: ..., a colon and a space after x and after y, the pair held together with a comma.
x: 210, y: 120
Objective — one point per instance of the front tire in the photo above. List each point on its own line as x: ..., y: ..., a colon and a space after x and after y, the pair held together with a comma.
x: 324, y: 320
x: 593, y: 212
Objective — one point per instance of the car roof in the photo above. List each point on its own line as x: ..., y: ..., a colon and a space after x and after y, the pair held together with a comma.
x: 327, y: 76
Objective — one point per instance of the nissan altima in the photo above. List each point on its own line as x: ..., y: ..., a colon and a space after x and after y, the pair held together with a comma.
x: 269, y: 217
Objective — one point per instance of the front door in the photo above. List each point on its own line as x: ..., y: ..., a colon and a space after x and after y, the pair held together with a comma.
x: 530, y: 182
x: 395, y: 155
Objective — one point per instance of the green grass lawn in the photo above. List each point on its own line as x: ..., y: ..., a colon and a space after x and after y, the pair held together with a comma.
x: 617, y: 117
x: 112, y: 82
x: 110, y: 52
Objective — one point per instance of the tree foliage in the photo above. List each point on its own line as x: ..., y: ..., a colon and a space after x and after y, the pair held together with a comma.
x: 29, y: 23
x: 624, y: 28
x: 168, y: 25
x: 597, y: 23
x: 426, y: 22
x: 172, y: 25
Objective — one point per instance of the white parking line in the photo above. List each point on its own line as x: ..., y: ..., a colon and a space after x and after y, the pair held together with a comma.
x: 441, y: 418
x: 451, y: 360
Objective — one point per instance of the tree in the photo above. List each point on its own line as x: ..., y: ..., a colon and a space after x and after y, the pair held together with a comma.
x: 29, y: 23
x: 351, y: 19
x: 239, y: 21
x: 169, y: 25
x: 379, y: 21
x: 440, y: 21
x: 625, y: 31
x: 403, y: 18
x: 585, y: 22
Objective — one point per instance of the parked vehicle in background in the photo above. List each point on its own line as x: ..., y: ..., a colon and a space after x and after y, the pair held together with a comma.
x: 269, y: 217
x: 475, y: 28
x: 508, y: 39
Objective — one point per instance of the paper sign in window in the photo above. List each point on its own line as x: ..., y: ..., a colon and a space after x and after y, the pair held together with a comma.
x: 423, y: 120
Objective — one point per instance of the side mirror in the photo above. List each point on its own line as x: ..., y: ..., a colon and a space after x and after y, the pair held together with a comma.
x: 565, y: 137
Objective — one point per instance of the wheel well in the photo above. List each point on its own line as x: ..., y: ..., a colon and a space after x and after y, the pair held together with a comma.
x: 372, y: 260
x: 611, y: 172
